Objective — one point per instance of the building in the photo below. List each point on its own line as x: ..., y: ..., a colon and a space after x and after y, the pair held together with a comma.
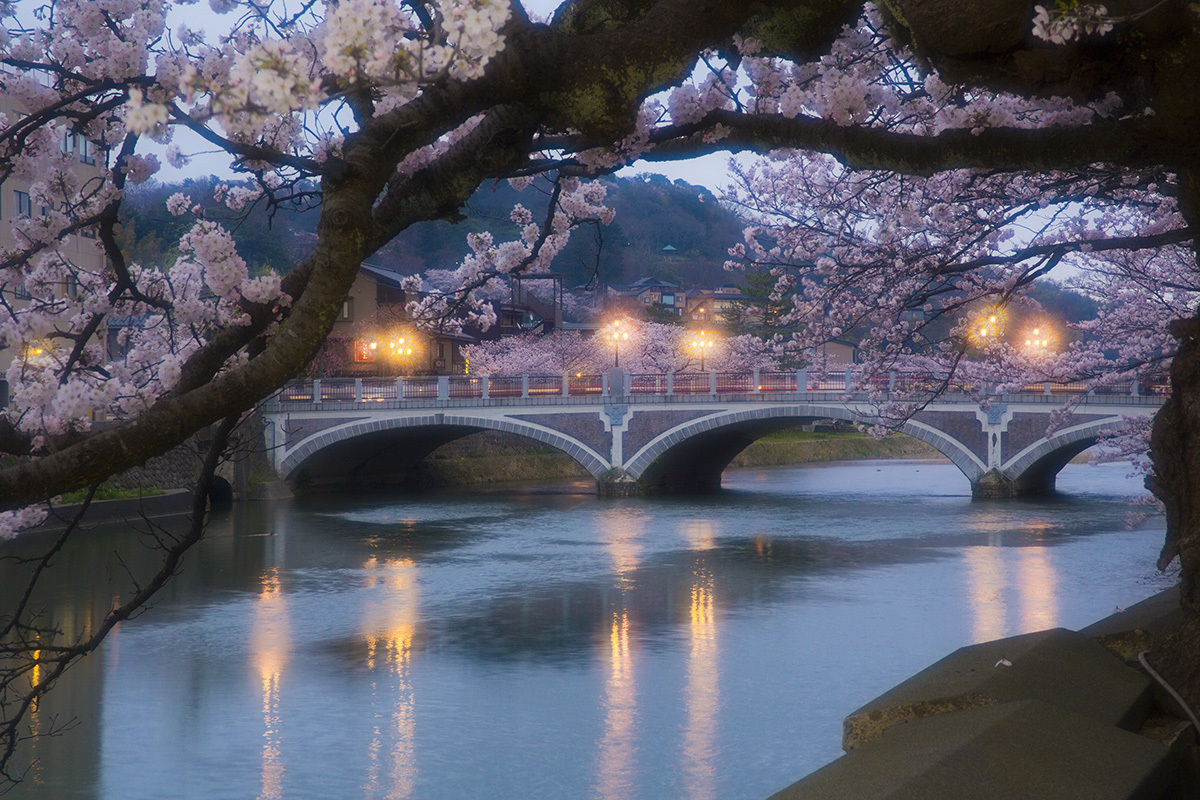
x: 379, y: 337
x: 652, y: 291
x: 81, y: 250
x: 709, y: 306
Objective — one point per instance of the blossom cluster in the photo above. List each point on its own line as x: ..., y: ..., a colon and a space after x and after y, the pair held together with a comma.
x: 653, y: 348
x: 463, y: 299
x: 1070, y: 20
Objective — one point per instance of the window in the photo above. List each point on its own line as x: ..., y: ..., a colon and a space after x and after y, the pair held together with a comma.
x: 72, y: 287
x: 348, y: 308
x: 23, y: 205
x: 364, y: 351
x: 86, y: 153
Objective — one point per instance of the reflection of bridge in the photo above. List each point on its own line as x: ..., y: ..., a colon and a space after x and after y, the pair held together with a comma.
x: 664, y: 432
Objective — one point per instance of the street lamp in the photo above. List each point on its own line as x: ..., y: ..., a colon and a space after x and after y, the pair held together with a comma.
x: 988, y: 326
x: 616, y: 333
x: 1039, y: 340
x: 401, y: 348
x: 701, y: 343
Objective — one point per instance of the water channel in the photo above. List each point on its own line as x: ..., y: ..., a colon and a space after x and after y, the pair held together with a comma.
x: 541, y: 643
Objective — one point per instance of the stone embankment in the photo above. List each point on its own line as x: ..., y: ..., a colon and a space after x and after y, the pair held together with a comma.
x: 1052, y: 714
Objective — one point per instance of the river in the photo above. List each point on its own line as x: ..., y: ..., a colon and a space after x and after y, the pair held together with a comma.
x: 543, y: 643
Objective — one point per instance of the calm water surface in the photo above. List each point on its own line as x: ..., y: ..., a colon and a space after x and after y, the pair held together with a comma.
x: 546, y: 644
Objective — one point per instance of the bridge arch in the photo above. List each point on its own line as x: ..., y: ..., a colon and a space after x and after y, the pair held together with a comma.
x: 387, y: 449
x: 692, y: 456
x: 1035, y: 468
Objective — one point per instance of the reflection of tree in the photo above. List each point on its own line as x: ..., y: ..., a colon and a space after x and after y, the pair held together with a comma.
x: 390, y: 629
x: 36, y: 645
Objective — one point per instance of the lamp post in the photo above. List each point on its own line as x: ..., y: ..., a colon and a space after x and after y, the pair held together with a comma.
x: 988, y: 326
x: 1039, y: 340
x: 616, y: 333
x: 701, y: 343
x: 401, y: 348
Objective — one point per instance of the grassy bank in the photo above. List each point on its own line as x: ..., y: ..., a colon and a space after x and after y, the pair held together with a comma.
x: 800, y: 447
x: 503, y: 458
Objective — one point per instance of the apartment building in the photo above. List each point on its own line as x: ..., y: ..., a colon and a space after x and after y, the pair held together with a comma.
x: 18, y: 202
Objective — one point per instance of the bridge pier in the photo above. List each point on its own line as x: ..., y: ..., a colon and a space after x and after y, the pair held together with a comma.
x: 995, y: 484
x: 615, y: 483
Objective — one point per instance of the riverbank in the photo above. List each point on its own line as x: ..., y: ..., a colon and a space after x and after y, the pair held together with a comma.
x: 495, y: 457
x: 1055, y: 713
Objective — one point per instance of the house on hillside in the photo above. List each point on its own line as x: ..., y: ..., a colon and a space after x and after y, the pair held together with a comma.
x: 651, y: 291
x: 834, y: 354
x: 708, y: 306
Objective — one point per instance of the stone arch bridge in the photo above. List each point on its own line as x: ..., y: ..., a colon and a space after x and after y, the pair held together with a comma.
x: 662, y: 432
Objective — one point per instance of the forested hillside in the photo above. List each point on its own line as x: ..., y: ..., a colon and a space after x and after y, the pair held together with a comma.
x: 652, y: 214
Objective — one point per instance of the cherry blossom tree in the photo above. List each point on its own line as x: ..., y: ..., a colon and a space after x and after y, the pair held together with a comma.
x: 653, y: 348
x: 386, y: 113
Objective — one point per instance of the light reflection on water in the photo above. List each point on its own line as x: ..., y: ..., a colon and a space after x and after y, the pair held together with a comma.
x: 615, y: 762
x: 543, y: 645
x: 389, y: 631
x: 702, y: 692
x: 270, y: 640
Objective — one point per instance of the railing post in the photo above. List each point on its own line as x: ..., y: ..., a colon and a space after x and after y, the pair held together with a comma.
x: 802, y: 381
x: 485, y: 383
x: 712, y: 382
x: 754, y: 378
x: 566, y: 385
x: 1134, y: 389
x: 524, y: 386
x: 358, y: 390
x: 399, y: 389
x: 848, y: 380
x: 892, y: 382
x: 670, y: 384
x: 1046, y: 388
x: 628, y: 384
x: 604, y: 384
x: 443, y: 387
x: 316, y: 390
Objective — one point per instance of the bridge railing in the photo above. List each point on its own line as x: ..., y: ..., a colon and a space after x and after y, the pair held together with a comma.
x: 777, y: 381
x: 692, y: 383
x: 464, y: 387
x: 584, y: 385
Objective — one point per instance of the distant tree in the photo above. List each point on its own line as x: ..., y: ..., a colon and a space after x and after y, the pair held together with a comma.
x: 764, y: 309
x: 653, y: 348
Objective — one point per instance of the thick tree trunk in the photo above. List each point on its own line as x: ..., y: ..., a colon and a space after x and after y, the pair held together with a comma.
x: 1175, y: 454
